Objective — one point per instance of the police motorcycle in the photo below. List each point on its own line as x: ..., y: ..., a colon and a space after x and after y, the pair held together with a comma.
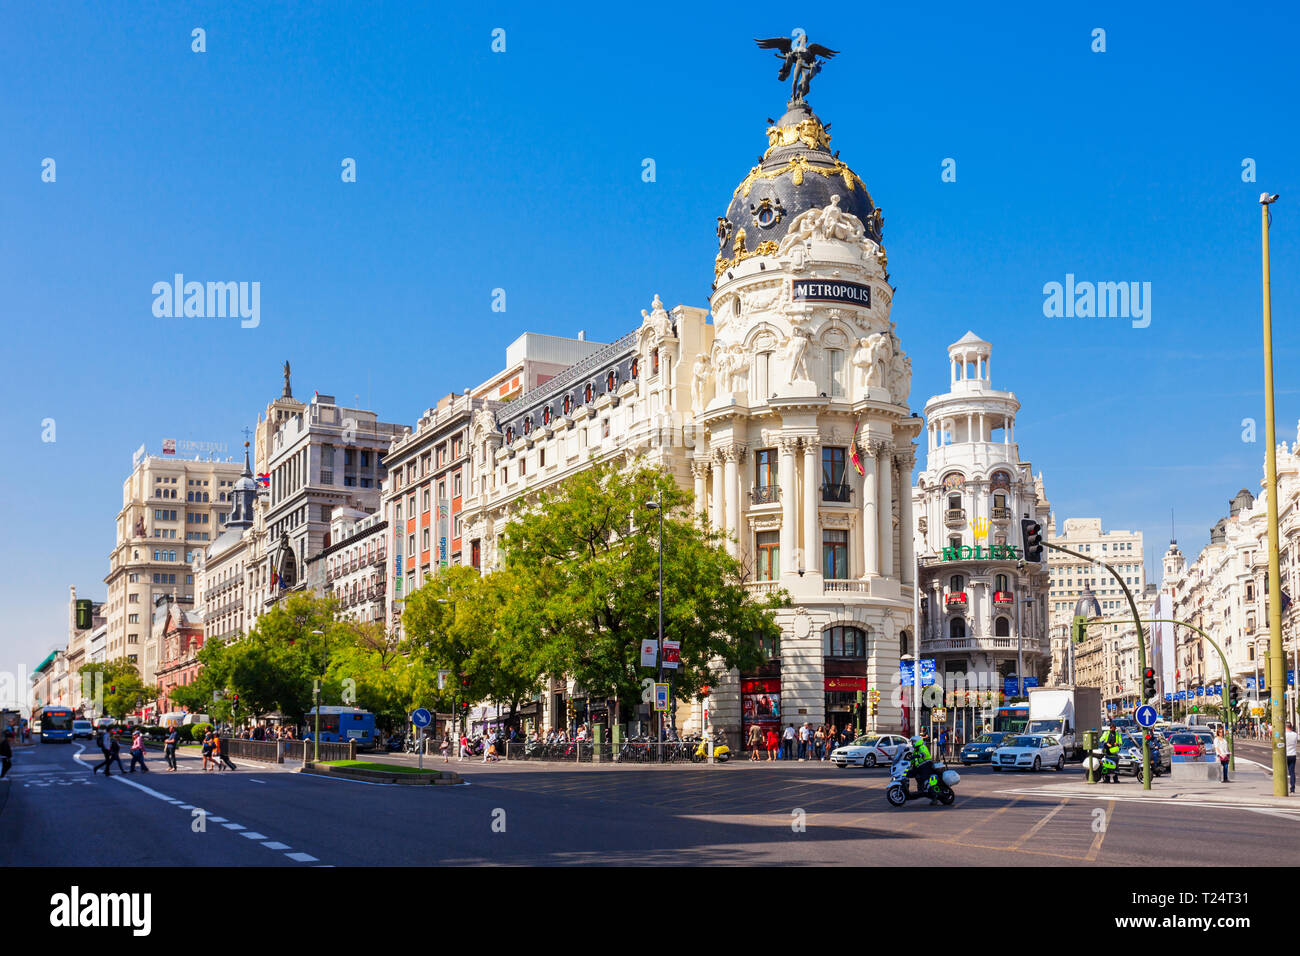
x: 938, y: 787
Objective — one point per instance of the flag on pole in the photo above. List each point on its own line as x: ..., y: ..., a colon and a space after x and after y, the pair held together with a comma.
x: 264, y: 478
x: 857, y: 462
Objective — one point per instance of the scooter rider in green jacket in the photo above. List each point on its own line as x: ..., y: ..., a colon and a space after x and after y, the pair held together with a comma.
x: 1110, y: 741
x: 923, y: 768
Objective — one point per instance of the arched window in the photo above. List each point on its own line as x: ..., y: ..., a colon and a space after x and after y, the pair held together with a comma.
x: 904, y: 643
x: 546, y: 416
x: 528, y: 425
x: 568, y: 404
x: 957, y: 627
x: 636, y: 367
x: 654, y: 362
x: 611, y: 381
x: 510, y: 435
x: 1002, y: 627
x: 844, y: 642
x: 588, y: 392
x: 955, y: 583
x: 954, y: 502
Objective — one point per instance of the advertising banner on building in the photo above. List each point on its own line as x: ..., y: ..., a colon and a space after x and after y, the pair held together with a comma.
x: 444, y: 531
x: 169, y: 446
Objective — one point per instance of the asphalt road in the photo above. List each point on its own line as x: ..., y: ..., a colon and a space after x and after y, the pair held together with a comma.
x: 53, y: 811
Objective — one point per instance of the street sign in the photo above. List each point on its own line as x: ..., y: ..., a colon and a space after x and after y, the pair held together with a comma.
x: 907, y: 672
x: 649, y: 653
x: 1145, y: 715
x: 421, y: 717
x: 939, y: 713
x: 661, y: 697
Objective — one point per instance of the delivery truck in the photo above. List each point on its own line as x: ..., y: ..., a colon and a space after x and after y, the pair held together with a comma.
x: 1066, y: 713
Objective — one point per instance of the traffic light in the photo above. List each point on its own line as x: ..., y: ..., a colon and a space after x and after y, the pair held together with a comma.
x: 1234, y: 696
x: 1079, y: 630
x: 1031, y: 537
x: 112, y: 688
x: 1148, y: 683
x: 84, y: 615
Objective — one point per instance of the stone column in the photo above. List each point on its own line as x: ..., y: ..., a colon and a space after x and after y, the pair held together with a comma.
x: 811, y: 497
x: 906, y: 543
x: 700, y: 469
x: 789, y: 514
x: 885, y: 508
x: 718, y: 505
x: 731, y: 481
x: 870, y: 524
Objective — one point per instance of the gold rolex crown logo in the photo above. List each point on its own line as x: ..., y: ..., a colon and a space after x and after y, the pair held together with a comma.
x: 980, y: 528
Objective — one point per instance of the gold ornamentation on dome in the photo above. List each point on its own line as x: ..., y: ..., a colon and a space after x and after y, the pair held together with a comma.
x: 738, y: 246
x: 721, y: 265
x: 810, y: 132
x: 797, y: 167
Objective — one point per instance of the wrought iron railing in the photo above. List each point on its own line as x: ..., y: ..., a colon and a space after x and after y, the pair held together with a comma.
x: 840, y: 492
x: 765, y: 494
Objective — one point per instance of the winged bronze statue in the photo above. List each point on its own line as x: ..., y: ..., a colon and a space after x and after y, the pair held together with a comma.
x: 799, y: 57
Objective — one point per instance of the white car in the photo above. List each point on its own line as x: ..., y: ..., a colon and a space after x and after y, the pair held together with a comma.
x: 1029, y: 752
x: 868, y: 751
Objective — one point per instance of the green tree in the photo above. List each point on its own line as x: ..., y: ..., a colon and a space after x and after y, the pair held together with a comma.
x: 443, y: 622
x: 122, y: 686
x: 583, y: 570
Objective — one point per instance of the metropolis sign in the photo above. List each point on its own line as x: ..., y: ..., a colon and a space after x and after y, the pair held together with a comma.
x: 992, y: 552
x: 819, y: 290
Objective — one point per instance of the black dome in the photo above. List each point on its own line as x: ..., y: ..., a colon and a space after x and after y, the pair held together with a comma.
x: 797, y: 173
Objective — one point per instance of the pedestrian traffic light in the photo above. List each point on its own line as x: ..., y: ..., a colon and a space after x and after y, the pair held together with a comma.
x: 1079, y: 630
x: 1234, y: 695
x: 1031, y: 537
x: 1148, y: 683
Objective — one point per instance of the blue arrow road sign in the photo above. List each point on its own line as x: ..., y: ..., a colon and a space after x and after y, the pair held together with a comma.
x: 1169, y: 696
x: 1145, y: 715
x: 421, y: 717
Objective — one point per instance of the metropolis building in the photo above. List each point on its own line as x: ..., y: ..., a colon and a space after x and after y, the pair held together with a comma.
x: 784, y: 410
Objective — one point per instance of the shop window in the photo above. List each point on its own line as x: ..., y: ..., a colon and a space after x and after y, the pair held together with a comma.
x: 844, y: 642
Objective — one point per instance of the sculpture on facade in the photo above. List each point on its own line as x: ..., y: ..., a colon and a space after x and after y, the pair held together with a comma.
x: 700, y: 380
x: 658, y: 320
x: 900, y: 366
x: 796, y: 353
x: 870, y: 359
x: 828, y: 222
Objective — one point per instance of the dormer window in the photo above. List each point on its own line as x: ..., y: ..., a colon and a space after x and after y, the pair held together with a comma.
x: 568, y: 404
x: 546, y: 417
x: 588, y: 393
x: 636, y: 367
x: 611, y: 381
x: 528, y: 425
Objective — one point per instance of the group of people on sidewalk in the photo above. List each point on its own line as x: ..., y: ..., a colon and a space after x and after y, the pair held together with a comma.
x: 798, y: 743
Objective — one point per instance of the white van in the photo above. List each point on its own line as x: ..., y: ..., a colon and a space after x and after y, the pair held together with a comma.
x: 1204, y: 721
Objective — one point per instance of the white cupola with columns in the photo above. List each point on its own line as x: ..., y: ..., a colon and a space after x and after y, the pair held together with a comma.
x: 983, y: 608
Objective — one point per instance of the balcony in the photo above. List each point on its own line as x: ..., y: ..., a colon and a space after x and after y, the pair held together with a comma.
x: 765, y: 495
x: 839, y: 586
x: 1001, y: 514
x: 955, y: 517
x: 1003, y: 597
x: 840, y: 492
x: 762, y: 588
x: 957, y: 599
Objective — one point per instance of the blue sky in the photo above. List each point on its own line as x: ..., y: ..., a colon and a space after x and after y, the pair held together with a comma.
x: 522, y: 170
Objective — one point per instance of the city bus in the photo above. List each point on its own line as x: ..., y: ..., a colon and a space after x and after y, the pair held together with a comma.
x: 56, y: 724
x: 1011, y: 718
x: 342, y: 724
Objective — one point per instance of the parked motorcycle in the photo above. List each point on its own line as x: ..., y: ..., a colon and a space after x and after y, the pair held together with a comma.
x: 899, y: 791
x: 721, y: 752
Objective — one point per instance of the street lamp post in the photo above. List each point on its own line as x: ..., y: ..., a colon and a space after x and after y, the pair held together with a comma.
x: 658, y: 506
x: 315, y: 738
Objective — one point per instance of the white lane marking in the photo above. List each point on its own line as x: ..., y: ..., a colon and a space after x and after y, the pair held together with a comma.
x: 255, y: 780
x: 1169, y: 802
x: 233, y: 826
x: 185, y: 806
x: 253, y: 836
x: 216, y: 819
x: 149, y: 790
x: 301, y: 857
x: 274, y: 845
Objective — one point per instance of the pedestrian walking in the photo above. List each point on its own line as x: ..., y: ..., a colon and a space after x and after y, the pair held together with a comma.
x: 1290, y: 754
x: 1221, y: 751
x: 219, y: 755
x: 755, y: 741
x: 115, y: 753
x: 787, y: 743
x: 207, y: 750
x: 773, y: 742
x: 805, y: 739
x: 137, y: 752
x: 7, y: 755
x: 444, y: 748
x: 819, y: 741
x: 169, y: 747
x: 103, y: 743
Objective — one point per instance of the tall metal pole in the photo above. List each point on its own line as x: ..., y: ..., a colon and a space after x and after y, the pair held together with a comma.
x: 660, y: 509
x: 916, y: 649
x: 1276, y: 667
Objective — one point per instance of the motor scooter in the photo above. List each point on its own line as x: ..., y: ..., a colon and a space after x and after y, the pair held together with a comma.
x: 721, y: 752
x: 899, y: 791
